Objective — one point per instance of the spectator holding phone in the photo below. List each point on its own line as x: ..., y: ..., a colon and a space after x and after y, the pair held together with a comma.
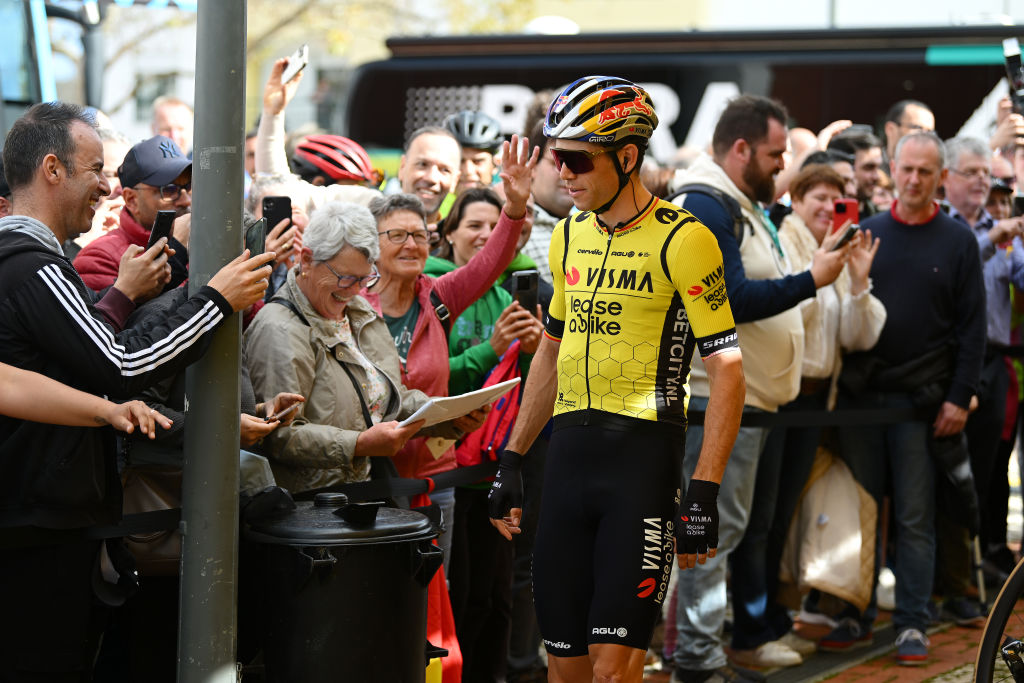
x: 284, y: 232
x: 842, y: 315
x: 63, y: 479
x: 272, y: 158
x: 319, y: 339
x: 155, y: 176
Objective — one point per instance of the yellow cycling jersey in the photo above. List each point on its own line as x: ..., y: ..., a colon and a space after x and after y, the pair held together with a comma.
x: 629, y: 307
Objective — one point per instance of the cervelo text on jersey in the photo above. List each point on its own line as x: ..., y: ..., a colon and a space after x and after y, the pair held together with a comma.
x: 630, y: 306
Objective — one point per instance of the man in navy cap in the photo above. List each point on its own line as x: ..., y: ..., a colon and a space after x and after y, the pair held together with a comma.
x: 155, y: 176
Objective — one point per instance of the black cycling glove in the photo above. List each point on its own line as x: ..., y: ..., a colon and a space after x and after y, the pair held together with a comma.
x: 697, y: 522
x: 507, y: 490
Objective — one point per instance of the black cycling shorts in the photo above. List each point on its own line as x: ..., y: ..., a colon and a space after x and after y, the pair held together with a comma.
x: 604, y: 548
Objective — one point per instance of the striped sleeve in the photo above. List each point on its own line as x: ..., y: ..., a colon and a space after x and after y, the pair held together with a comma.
x: 58, y: 315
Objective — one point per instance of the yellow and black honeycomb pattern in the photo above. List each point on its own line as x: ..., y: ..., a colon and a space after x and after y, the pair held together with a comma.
x: 612, y: 369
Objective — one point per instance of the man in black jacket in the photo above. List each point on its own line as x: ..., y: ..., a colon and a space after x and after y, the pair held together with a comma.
x: 54, y: 481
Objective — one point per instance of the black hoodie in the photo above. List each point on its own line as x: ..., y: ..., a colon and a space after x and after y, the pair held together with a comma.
x: 65, y: 477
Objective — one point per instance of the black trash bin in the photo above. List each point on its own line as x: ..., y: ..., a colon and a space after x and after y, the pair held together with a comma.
x: 341, y: 591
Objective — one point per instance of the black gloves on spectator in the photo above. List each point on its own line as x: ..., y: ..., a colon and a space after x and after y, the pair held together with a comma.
x: 696, y: 526
x: 507, y: 490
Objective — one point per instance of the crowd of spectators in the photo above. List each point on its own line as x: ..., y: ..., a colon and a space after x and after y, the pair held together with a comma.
x: 368, y: 302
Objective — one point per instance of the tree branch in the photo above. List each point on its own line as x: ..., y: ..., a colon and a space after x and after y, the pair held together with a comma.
x: 290, y: 19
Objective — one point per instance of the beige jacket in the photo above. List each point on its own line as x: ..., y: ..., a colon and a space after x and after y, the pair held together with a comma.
x: 773, y: 348
x: 283, y: 354
x: 834, y: 320
x: 831, y: 541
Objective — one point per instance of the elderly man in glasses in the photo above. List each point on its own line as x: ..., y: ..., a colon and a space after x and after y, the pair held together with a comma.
x: 155, y: 176
x: 967, y: 184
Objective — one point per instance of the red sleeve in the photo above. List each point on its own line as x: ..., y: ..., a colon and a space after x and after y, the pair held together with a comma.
x: 462, y: 286
x: 115, y: 307
x: 97, y: 267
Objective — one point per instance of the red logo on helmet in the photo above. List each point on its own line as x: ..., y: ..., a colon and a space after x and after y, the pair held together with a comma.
x: 573, y: 276
x: 620, y: 111
x: 646, y: 588
x: 694, y: 290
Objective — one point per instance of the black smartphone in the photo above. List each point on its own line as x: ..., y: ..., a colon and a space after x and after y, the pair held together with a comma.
x: 1018, y: 205
x: 276, y: 209
x: 1014, y: 72
x: 524, y: 289
x: 256, y: 237
x: 851, y: 230
x: 161, y: 227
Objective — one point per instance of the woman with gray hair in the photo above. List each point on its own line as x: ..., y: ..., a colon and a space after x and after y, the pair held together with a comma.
x: 321, y: 340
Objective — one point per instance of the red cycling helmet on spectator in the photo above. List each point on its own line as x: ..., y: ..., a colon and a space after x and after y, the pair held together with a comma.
x: 333, y: 159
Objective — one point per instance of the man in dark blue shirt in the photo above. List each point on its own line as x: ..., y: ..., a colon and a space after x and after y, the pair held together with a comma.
x: 928, y: 275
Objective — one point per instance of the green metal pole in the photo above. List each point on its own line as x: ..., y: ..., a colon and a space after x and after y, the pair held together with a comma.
x: 206, y: 631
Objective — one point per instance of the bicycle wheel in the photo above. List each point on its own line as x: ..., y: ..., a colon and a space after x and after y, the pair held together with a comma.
x: 1003, y: 630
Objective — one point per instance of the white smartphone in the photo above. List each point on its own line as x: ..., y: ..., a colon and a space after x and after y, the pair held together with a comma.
x: 296, y: 63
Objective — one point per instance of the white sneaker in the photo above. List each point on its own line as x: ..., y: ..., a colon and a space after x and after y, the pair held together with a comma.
x: 768, y: 655
x: 803, y: 646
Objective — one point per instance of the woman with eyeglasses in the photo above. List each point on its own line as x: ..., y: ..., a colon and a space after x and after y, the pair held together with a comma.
x: 317, y: 337
x: 420, y: 310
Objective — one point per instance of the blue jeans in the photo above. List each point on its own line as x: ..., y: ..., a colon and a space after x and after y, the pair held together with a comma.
x: 898, y: 453
x: 701, y: 600
x: 782, y: 471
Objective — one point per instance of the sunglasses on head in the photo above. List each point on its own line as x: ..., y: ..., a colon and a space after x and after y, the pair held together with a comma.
x: 578, y: 160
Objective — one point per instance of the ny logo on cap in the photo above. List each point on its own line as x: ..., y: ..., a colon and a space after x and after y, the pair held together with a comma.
x: 169, y: 149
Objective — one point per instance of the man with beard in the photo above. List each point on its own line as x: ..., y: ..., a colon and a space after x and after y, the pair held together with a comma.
x: 748, y: 146
x: 155, y: 176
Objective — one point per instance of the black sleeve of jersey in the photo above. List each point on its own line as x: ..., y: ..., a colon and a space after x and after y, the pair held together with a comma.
x: 716, y: 343
x: 53, y: 311
x: 553, y: 326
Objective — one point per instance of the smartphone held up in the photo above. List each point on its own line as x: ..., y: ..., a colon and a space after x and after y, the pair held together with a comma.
x: 296, y: 63
x: 845, y: 216
x: 162, y: 227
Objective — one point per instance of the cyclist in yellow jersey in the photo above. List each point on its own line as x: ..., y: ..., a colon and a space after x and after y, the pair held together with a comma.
x: 638, y: 286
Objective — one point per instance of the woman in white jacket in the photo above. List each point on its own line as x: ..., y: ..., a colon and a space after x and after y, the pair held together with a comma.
x: 843, y: 316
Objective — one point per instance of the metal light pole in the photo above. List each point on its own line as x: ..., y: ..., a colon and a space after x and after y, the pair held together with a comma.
x: 206, y: 632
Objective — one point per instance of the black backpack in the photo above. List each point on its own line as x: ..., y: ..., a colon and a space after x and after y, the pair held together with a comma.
x: 740, y: 223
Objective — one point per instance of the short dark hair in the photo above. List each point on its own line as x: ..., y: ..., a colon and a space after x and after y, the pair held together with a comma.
x: 43, y: 129
x: 746, y: 118
x: 385, y: 205
x: 895, y: 113
x: 811, y: 176
x: 473, y: 195
x: 828, y: 156
x: 429, y: 130
x: 851, y: 143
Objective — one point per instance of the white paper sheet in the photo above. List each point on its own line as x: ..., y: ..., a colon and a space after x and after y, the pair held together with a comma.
x: 444, y: 408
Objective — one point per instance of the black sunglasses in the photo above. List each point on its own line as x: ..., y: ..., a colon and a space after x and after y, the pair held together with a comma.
x: 579, y: 161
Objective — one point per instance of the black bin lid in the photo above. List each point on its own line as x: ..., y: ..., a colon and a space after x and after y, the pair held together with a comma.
x: 330, y: 520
